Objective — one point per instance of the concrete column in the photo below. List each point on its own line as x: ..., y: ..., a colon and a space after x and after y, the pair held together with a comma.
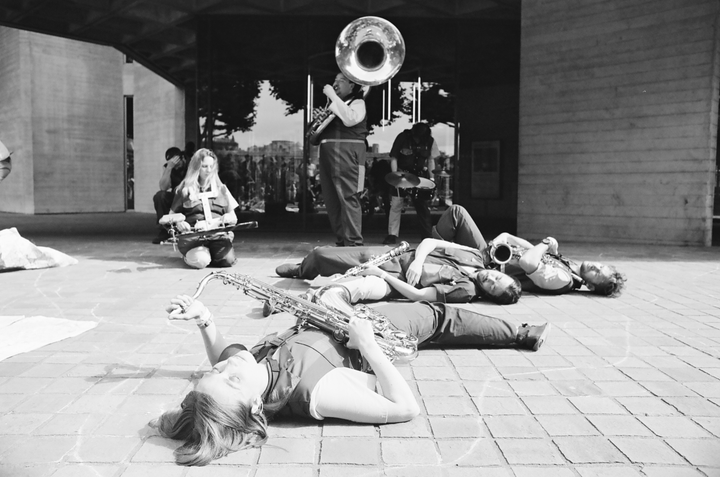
x: 159, y: 124
x: 62, y: 107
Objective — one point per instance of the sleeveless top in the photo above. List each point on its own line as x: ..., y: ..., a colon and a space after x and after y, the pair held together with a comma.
x: 193, y: 209
x: 297, y: 359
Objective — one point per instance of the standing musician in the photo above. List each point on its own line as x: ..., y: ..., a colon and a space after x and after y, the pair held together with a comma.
x: 413, y: 151
x: 304, y: 372
x: 342, y: 159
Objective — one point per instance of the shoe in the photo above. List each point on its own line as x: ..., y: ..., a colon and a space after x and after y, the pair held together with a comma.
x: 268, y: 309
x: 162, y: 236
x: 288, y: 270
x: 531, y: 336
x: 339, y: 244
x: 390, y: 240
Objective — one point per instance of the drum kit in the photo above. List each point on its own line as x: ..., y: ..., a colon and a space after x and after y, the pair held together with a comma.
x: 416, y: 187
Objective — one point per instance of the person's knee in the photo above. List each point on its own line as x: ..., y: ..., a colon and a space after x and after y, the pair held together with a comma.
x: 198, y: 257
x: 226, y: 261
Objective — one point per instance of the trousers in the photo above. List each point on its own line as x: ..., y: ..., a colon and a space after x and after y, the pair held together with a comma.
x: 342, y: 178
x: 437, y: 323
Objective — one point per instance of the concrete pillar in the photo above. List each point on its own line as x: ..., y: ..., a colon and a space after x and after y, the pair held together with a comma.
x: 618, y: 120
x: 159, y: 124
x: 68, y: 132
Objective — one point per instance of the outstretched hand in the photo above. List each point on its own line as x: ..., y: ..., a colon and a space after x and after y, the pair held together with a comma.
x: 184, y: 308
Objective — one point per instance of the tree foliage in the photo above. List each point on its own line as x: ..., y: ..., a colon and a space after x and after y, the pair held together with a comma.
x: 437, y: 104
x: 233, y: 103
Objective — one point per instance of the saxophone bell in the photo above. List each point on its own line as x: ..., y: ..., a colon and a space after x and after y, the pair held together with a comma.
x: 502, y: 252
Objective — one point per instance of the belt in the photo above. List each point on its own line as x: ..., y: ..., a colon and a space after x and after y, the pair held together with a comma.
x: 356, y: 141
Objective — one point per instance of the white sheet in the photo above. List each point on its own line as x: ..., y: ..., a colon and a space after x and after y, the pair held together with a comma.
x: 20, y: 334
x: 18, y: 252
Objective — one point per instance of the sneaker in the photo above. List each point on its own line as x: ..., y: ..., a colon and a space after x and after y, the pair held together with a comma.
x: 390, y: 240
x: 288, y: 270
x: 268, y: 309
x: 162, y: 236
x: 531, y: 336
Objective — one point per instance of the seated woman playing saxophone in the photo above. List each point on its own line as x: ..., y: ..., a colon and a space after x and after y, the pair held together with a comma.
x: 305, y: 372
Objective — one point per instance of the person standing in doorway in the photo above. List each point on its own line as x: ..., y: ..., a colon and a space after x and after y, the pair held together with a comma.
x: 413, y: 151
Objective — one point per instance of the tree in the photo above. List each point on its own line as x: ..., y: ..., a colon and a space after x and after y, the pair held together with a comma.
x: 232, y: 104
x: 437, y: 104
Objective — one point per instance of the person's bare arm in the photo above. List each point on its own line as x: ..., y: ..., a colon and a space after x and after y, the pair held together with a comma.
x: 408, y: 291
x: 427, y: 246
x: 184, y: 308
x: 396, y: 404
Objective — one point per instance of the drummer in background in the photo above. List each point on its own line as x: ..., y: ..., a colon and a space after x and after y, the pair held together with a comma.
x: 413, y: 151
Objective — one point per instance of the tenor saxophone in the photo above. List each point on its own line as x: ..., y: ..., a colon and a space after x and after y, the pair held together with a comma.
x: 395, y: 344
x: 377, y: 260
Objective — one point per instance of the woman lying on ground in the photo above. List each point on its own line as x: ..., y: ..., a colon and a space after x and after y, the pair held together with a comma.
x: 305, y: 372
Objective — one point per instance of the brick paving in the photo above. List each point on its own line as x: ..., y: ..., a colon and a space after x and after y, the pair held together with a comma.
x: 623, y: 387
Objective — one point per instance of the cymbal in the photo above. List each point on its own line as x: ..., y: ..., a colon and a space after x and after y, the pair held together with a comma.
x: 402, y: 180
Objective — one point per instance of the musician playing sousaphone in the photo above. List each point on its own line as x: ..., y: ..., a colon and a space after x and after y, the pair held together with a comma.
x: 414, y: 150
x: 342, y: 159
x: 306, y: 372
x: 203, y: 203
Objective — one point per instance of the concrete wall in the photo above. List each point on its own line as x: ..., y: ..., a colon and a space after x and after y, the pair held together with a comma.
x: 17, y: 190
x: 159, y: 124
x: 618, y: 120
x: 68, y: 133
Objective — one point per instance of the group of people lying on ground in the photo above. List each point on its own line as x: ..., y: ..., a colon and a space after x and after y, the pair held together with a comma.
x: 307, y: 372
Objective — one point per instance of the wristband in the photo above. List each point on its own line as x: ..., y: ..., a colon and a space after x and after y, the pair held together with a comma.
x: 205, y: 320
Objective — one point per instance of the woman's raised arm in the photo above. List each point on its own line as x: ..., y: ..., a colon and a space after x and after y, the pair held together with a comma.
x: 184, y: 308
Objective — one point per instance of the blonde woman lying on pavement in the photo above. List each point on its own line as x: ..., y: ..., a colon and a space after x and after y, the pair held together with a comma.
x: 305, y: 372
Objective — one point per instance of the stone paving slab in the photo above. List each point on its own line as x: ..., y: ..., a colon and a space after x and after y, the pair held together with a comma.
x: 623, y: 387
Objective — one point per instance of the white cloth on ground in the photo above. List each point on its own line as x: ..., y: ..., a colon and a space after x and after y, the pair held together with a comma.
x: 20, y: 334
x: 17, y: 252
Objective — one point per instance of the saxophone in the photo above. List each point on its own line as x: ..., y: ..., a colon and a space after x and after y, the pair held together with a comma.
x: 380, y: 259
x: 333, y: 318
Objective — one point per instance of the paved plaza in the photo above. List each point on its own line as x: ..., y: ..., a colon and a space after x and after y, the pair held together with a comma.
x: 623, y: 387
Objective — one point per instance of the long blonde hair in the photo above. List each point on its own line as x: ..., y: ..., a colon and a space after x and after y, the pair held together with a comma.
x: 211, y: 431
x: 191, y: 184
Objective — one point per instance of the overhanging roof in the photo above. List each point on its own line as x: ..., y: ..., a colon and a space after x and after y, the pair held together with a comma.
x: 162, y: 34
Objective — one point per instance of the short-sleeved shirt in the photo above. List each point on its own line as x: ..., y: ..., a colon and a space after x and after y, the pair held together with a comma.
x: 455, y: 285
x: 550, y: 277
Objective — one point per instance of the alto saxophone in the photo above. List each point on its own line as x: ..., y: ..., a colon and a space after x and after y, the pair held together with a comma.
x: 377, y: 260
x: 502, y: 252
x: 395, y: 344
